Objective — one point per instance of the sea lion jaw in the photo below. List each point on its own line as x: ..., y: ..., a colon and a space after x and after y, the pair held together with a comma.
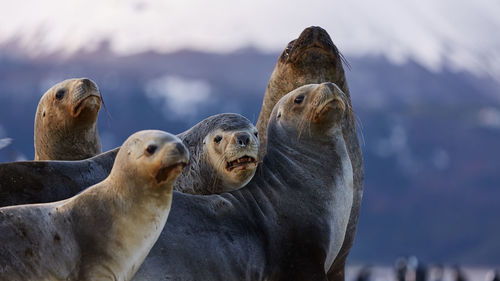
x: 233, y: 154
x: 86, y: 100
x: 330, y: 105
x: 172, y: 165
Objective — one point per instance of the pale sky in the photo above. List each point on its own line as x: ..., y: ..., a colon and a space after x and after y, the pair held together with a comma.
x: 462, y: 33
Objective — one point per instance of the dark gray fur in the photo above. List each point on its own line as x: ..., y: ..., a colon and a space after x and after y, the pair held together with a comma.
x: 272, y: 229
x: 198, y: 177
x: 314, y: 58
x: 30, y: 182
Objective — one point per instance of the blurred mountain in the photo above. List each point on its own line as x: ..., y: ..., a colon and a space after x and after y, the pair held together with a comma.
x: 429, y: 137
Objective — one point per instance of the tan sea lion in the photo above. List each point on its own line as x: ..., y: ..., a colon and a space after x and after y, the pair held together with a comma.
x: 66, y: 121
x: 224, y: 150
x: 288, y: 223
x: 105, y: 232
x: 313, y: 58
x: 214, y: 167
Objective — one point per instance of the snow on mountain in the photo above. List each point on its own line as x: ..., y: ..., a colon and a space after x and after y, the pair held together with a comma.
x: 458, y: 34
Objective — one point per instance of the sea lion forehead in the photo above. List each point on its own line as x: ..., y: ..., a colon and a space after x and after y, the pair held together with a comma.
x: 302, y: 90
x: 305, y: 90
x: 147, y: 136
x: 64, y: 84
x: 228, y: 122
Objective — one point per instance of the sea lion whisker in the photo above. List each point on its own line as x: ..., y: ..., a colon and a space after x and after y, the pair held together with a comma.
x: 344, y: 61
x: 359, y: 123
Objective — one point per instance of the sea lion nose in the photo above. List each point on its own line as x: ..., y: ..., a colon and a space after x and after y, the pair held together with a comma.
x: 86, y: 82
x: 329, y: 85
x: 181, y: 149
x: 243, y: 139
x: 314, y: 33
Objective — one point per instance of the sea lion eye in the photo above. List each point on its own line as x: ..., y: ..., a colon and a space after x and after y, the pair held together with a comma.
x: 299, y: 99
x: 256, y: 134
x: 279, y: 115
x: 60, y: 94
x: 151, y: 148
x: 217, y: 139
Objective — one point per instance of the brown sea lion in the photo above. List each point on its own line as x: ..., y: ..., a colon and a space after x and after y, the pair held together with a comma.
x: 105, y: 232
x: 288, y: 223
x: 66, y: 121
x: 313, y: 58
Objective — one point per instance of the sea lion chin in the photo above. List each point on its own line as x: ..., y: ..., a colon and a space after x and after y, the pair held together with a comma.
x: 66, y: 121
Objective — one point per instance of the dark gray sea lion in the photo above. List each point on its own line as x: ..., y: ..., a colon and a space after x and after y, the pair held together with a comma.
x: 288, y: 223
x: 105, y: 232
x: 66, y: 121
x: 313, y: 58
x: 31, y: 182
x: 224, y: 150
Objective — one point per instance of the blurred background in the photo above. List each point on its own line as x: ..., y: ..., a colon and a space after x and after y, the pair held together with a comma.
x: 424, y: 80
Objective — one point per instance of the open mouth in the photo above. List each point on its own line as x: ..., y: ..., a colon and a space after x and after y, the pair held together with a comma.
x: 241, y: 162
x: 164, y: 172
x: 77, y: 109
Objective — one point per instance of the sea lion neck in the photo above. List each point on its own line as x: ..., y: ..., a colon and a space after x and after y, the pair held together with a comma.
x: 78, y: 143
x: 300, y: 157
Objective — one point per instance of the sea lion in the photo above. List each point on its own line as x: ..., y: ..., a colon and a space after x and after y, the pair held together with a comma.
x: 288, y: 223
x: 30, y: 182
x: 224, y: 150
x: 313, y: 58
x: 104, y: 232
x: 66, y: 121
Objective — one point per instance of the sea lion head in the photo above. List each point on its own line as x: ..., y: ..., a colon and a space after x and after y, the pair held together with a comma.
x: 311, y: 58
x: 309, y: 112
x: 74, y: 101
x: 150, y: 158
x: 232, y: 149
x: 224, y: 149
x: 65, y: 121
